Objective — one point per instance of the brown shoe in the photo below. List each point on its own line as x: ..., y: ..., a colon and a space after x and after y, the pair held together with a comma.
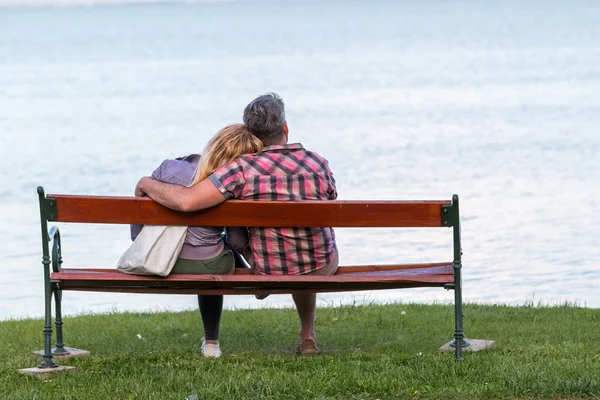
x: 307, y: 347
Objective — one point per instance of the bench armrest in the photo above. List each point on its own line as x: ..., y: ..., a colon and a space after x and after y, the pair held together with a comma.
x: 54, y: 235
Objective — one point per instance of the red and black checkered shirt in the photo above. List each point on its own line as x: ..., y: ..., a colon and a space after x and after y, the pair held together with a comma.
x: 283, y: 173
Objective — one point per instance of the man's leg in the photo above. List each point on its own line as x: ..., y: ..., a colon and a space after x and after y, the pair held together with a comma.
x: 306, y: 305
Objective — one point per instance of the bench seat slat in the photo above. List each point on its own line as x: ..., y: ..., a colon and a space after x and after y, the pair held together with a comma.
x: 224, y: 280
x: 371, y: 278
x: 360, y: 273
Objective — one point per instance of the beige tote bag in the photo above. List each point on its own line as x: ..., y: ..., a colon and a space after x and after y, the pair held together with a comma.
x: 154, y: 251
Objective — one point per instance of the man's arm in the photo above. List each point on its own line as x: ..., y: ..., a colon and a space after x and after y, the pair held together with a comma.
x: 203, y: 195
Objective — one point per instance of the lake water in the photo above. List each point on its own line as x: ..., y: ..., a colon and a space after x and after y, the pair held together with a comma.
x: 496, y: 101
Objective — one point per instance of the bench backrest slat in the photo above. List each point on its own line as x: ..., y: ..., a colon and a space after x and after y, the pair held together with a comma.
x: 343, y: 214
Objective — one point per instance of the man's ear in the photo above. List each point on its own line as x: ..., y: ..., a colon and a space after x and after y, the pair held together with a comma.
x: 285, y: 129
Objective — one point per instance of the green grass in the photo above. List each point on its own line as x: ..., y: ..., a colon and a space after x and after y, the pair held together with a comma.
x: 369, y: 352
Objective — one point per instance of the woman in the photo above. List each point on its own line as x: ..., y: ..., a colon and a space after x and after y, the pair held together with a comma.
x: 204, y: 250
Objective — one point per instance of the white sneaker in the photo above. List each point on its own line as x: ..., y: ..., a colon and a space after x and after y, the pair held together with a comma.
x: 210, y: 350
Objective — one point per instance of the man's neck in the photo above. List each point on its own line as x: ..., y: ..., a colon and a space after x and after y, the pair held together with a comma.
x: 281, y: 142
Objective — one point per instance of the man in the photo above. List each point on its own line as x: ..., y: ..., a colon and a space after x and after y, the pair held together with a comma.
x: 281, y: 172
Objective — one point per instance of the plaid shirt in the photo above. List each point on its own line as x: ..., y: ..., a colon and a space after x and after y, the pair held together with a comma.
x: 283, y: 173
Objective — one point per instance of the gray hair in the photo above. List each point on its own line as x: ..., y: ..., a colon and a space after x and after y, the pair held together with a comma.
x: 265, y: 116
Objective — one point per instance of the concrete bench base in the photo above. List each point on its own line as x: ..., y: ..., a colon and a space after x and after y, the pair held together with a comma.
x: 72, y: 353
x: 44, y: 373
x: 474, y: 345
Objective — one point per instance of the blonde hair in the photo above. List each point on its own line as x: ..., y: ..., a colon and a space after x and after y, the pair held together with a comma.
x: 227, y: 145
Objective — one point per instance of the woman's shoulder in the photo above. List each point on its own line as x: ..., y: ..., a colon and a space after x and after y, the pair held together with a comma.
x: 193, y: 159
x: 179, y: 170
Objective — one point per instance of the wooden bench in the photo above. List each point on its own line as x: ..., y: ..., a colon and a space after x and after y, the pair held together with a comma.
x: 337, y: 214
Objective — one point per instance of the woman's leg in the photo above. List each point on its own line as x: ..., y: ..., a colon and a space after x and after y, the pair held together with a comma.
x: 211, y: 308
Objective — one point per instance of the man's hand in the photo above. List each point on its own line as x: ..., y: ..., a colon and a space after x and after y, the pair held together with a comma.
x: 203, y: 195
x: 139, y: 191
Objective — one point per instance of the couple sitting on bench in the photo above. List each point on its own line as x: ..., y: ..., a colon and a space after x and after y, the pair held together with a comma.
x: 250, y: 161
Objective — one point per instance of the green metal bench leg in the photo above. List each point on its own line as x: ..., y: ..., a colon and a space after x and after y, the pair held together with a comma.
x: 459, y: 335
x: 60, y: 349
x: 47, y: 362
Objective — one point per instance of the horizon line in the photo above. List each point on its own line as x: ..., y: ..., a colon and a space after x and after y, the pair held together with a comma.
x: 91, y: 3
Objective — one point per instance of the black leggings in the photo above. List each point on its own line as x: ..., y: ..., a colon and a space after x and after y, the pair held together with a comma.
x: 211, y: 307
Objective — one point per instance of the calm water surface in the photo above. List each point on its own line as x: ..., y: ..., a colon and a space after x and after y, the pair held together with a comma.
x: 495, y: 101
